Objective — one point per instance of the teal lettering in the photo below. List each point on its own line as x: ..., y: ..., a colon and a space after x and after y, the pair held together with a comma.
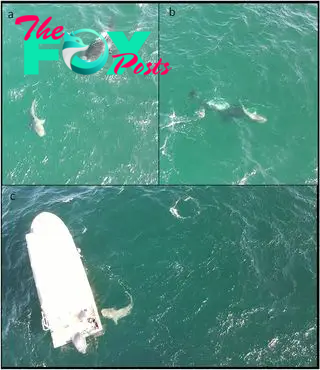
x: 127, y: 46
x: 32, y: 53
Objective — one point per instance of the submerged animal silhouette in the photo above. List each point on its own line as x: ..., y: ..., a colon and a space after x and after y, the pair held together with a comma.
x: 117, y: 314
x: 37, y: 123
x: 228, y: 112
x: 236, y: 111
x: 254, y: 116
x: 96, y: 48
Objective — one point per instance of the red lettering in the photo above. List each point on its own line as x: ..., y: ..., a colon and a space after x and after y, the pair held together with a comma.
x: 56, y: 30
x: 156, y: 66
x: 139, y: 68
x: 28, y: 18
x: 45, y: 32
x: 167, y: 69
x: 40, y: 32
x: 149, y: 69
x: 140, y: 65
x: 131, y: 62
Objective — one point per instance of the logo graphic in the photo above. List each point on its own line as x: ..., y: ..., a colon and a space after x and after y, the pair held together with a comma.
x: 73, y: 44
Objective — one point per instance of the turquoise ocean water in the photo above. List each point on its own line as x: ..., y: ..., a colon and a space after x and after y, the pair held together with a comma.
x: 104, y: 129
x: 261, y: 55
x: 100, y: 129
x: 220, y: 276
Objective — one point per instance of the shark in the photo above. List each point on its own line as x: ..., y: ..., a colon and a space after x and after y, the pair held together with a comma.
x: 254, y: 116
x: 37, y: 123
x: 117, y: 314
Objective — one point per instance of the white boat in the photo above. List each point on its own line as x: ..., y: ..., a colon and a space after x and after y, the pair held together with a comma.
x: 67, y: 303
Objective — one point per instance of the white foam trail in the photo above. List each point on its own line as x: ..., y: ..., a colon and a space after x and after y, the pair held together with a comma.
x: 245, y: 178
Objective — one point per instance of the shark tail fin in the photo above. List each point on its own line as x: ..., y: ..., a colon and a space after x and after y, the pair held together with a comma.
x: 33, y: 107
x: 130, y: 296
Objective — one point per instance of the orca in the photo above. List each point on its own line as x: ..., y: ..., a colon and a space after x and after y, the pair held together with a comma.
x: 96, y: 48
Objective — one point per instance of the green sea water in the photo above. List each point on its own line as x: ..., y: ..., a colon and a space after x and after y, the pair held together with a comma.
x: 104, y: 129
x: 220, y: 276
x: 100, y: 128
x: 263, y: 56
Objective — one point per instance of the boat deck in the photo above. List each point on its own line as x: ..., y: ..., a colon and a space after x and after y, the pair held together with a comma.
x: 66, y: 299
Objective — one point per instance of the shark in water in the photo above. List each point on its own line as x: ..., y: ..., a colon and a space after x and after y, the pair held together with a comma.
x: 117, y: 314
x: 37, y: 123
